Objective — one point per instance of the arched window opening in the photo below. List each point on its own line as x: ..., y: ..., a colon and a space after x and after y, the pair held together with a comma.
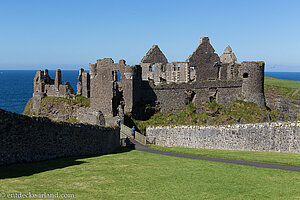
x: 152, y: 68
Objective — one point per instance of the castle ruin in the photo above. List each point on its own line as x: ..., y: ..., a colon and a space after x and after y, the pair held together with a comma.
x: 116, y: 89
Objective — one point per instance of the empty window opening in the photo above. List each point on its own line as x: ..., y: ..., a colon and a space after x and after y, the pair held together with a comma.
x: 152, y: 68
x: 245, y: 75
x: 118, y: 76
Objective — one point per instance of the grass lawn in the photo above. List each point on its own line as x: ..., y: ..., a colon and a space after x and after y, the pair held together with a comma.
x: 282, y: 87
x: 141, y: 175
x: 269, y: 157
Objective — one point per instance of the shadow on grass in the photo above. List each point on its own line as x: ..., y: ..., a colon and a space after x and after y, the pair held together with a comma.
x: 30, y: 168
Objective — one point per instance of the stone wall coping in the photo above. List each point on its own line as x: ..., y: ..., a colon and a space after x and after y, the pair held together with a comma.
x: 233, y: 126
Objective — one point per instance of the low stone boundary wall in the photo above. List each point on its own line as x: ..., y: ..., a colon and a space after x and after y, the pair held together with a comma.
x: 275, y: 137
x: 25, y: 139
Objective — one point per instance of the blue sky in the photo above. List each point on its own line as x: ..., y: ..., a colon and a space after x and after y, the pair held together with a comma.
x: 69, y: 34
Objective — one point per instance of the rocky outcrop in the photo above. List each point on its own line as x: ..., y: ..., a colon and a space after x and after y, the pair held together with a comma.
x: 89, y: 115
x: 63, y: 109
x: 285, y: 108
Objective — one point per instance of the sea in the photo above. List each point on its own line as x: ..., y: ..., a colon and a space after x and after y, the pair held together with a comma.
x: 16, y: 86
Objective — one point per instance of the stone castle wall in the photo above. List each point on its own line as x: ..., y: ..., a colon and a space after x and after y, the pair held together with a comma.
x: 44, y: 85
x: 203, y: 77
x: 25, y: 139
x: 273, y: 137
x: 172, y: 97
x: 116, y: 89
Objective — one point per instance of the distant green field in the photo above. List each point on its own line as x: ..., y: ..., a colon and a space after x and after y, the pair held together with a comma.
x: 269, y: 157
x: 282, y: 87
x: 141, y: 175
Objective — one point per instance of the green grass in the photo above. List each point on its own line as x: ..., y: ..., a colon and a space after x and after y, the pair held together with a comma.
x: 82, y: 100
x: 282, y: 87
x: 270, y: 157
x: 212, y: 114
x: 65, y: 106
x: 73, y: 120
x: 28, y: 107
x: 79, y: 100
x: 140, y: 175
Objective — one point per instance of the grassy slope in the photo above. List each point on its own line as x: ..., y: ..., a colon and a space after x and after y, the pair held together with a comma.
x: 28, y: 107
x: 64, y: 105
x: 270, y: 157
x: 282, y: 87
x: 140, y: 175
x: 213, y: 113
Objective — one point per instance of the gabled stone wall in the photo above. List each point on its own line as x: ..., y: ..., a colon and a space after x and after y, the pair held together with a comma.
x: 205, y: 60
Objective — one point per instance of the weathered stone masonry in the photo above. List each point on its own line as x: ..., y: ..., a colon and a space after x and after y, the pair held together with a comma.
x: 25, y: 139
x: 273, y: 137
x: 116, y: 89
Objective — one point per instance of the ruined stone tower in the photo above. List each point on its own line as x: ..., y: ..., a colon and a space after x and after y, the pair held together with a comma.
x: 252, y: 74
x: 83, y: 85
x: 114, y: 86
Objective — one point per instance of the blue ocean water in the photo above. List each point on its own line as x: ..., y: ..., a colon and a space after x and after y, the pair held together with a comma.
x: 294, y: 76
x: 16, y: 86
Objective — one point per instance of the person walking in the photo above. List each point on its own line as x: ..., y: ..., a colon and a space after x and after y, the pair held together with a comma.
x: 117, y: 123
x: 133, y: 131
